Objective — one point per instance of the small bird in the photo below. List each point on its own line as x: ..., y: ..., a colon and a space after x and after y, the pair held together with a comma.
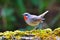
x: 34, y: 20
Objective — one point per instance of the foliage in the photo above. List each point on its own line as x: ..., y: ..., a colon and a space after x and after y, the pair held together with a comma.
x: 44, y: 34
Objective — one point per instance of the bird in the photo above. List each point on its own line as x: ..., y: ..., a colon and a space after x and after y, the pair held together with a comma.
x: 34, y: 20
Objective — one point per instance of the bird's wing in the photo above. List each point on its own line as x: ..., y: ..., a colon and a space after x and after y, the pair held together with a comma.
x: 40, y: 17
x: 33, y: 17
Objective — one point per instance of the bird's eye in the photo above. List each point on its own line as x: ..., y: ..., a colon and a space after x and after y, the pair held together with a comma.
x: 26, y: 14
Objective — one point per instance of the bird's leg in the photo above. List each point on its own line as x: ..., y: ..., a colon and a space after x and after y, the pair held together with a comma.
x: 35, y: 28
x: 38, y: 26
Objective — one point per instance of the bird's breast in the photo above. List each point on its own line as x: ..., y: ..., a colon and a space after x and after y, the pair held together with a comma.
x: 25, y: 18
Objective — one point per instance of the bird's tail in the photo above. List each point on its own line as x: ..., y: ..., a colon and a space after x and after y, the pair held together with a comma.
x: 44, y: 13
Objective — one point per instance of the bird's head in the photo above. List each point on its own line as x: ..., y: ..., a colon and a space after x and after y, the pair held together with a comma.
x: 26, y: 15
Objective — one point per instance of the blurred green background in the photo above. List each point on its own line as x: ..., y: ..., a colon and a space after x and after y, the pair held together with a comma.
x: 11, y: 13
